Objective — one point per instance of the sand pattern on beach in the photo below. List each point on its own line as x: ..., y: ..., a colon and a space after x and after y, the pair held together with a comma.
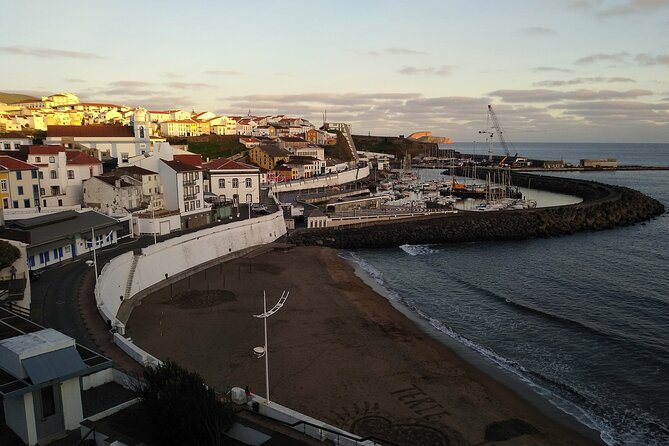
x: 338, y: 352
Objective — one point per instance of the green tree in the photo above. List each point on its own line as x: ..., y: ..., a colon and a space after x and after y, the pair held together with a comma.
x: 8, y: 254
x: 182, y: 410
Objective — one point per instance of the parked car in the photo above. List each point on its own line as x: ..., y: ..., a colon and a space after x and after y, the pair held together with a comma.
x: 259, y: 208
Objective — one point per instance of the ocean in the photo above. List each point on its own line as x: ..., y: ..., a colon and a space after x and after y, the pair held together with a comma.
x: 582, y: 320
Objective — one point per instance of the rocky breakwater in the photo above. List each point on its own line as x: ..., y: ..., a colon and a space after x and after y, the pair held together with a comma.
x: 603, y: 207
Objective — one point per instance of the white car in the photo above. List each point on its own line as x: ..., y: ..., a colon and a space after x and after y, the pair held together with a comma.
x: 259, y: 208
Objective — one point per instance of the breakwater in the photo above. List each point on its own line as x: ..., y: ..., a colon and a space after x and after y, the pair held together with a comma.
x: 603, y: 207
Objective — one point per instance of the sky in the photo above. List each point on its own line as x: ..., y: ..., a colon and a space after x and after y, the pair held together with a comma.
x: 553, y: 70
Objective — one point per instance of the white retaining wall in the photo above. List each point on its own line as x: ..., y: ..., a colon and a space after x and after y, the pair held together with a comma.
x: 177, y: 255
x: 346, y: 176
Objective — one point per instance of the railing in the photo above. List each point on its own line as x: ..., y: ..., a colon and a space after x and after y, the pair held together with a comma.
x: 317, y: 432
x: 16, y: 309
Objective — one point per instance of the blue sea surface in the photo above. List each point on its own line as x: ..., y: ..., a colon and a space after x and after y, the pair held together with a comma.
x: 583, y: 319
x: 626, y: 154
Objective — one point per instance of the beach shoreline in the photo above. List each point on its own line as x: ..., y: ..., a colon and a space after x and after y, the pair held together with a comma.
x: 340, y: 351
x: 475, y: 359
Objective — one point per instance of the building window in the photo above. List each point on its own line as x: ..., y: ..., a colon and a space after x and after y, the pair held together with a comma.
x: 38, y: 159
x: 52, y: 159
x: 235, y: 182
x: 48, y: 402
x: 70, y: 174
x: 3, y: 185
x: 42, y: 191
x: 8, y: 146
x: 196, y: 175
x: 124, y: 157
x: 33, y: 174
x: 19, y: 175
x: 198, y: 204
x: 40, y: 175
x: 26, y: 203
x: 53, y: 174
x: 20, y: 190
x: 248, y: 182
x: 5, y: 203
x: 221, y: 183
x: 16, y: 204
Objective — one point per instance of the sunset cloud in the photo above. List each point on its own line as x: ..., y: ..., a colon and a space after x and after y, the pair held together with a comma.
x: 46, y: 53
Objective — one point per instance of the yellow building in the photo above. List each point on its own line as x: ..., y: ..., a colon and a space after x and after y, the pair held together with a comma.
x: 22, y: 184
x: 186, y: 127
x: 268, y: 156
x: 4, y: 188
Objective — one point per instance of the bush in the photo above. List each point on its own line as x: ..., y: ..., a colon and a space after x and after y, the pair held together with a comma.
x: 8, y: 254
x: 181, y: 409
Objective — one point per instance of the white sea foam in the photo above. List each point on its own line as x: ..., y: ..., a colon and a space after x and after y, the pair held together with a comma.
x: 609, y: 434
x: 418, y: 250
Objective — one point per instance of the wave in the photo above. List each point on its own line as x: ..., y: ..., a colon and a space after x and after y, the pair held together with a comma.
x: 631, y: 427
x: 417, y: 250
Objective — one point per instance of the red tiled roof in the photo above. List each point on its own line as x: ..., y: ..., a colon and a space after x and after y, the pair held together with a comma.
x: 182, y: 121
x: 45, y: 150
x: 193, y: 159
x: 95, y: 131
x: 9, y: 163
x: 77, y: 157
x: 291, y: 139
x: 226, y: 163
x: 180, y: 166
x: 14, y: 135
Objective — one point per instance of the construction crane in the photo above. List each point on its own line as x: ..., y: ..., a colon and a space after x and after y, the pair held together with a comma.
x: 500, y: 134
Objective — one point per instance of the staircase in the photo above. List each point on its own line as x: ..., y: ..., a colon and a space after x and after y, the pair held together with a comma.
x: 131, y: 274
x: 345, y: 130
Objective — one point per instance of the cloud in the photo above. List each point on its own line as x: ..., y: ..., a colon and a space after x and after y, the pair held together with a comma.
x: 443, y: 70
x: 190, y: 85
x: 396, y: 51
x: 545, y: 95
x: 46, y: 53
x: 74, y: 80
x: 646, y: 59
x: 555, y: 69
x: 581, y: 80
x: 617, y: 58
x: 628, y: 7
x: 224, y: 72
x: 129, y: 84
x: 634, y: 7
x: 538, y: 31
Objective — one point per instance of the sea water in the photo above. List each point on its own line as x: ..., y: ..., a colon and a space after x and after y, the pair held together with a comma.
x: 582, y: 319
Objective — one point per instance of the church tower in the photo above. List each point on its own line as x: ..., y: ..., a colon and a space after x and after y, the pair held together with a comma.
x: 141, y: 124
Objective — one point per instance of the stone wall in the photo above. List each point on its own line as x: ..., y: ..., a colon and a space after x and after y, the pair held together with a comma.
x: 603, y: 207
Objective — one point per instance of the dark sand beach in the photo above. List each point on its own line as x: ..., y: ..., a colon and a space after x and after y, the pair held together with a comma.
x: 338, y: 352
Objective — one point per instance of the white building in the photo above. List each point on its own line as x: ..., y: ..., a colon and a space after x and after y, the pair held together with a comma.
x: 43, y: 373
x: 113, y: 196
x: 12, y: 141
x: 110, y: 141
x: 184, y: 191
x: 62, y: 173
x: 233, y: 181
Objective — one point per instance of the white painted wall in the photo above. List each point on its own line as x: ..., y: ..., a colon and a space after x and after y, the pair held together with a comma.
x: 97, y: 379
x: 73, y: 412
x: 347, y: 176
x: 20, y: 417
x: 179, y: 254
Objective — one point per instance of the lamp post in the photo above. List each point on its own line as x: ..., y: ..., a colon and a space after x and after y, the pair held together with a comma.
x: 263, y: 351
x: 95, y: 257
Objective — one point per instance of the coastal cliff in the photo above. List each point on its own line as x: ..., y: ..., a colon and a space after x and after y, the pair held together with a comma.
x: 603, y: 207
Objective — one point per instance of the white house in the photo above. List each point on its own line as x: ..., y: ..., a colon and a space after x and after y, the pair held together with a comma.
x: 112, y: 195
x: 12, y: 141
x: 115, y: 141
x: 62, y: 173
x: 184, y: 191
x: 233, y: 181
x: 43, y: 375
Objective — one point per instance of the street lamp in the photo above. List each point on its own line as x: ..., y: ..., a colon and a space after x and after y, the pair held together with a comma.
x: 263, y: 351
